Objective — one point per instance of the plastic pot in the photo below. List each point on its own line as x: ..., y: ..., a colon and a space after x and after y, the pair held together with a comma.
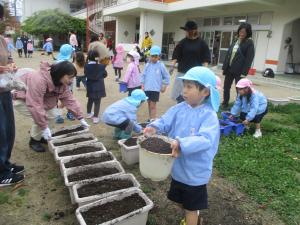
x: 130, y: 155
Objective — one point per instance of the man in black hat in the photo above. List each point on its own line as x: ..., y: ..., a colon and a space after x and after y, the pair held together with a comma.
x: 189, y: 52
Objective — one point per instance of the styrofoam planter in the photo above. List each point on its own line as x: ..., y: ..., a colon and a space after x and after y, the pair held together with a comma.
x: 89, y: 199
x: 73, y: 170
x: 85, y: 130
x: 279, y: 101
x: 58, y: 150
x: 137, y: 217
x: 295, y: 99
x: 64, y: 160
x: 54, y: 141
x: 155, y: 166
x: 130, y: 155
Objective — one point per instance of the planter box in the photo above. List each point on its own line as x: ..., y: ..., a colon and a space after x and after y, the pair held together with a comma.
x: 85, y: 200
x: 130, y: 155
x: 51, y: 144
x: 225, y: 127
x: 85, y: 130
x: 295, y: 99
x: 71, y: 171
x: 279, y: 101
x: 136, y: 217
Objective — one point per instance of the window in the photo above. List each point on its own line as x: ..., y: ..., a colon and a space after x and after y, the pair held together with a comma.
x: 239, y: 19
x: 225, y: 39
x: 253, y: 19
x: 227, y: 21
x: 207, y: 22
x: 215, y: 21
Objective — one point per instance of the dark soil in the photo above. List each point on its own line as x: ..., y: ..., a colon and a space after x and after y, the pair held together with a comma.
x: 80, y: 150
x: 89, y: 160
x: 112, y: 210
x: 92, y: 173
x: 104, y: 186
x: 144, y: 125
x: 74, y: 141
x: 131, y: 142
x: 62, y: 132
x: 157, y: 145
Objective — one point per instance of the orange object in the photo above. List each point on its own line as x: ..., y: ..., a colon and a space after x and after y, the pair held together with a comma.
x: 252, y: 71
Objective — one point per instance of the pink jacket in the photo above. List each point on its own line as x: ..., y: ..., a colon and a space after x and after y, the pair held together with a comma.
x: 132, y: 76
x: 42, y: 95
x: 118, y: 60
x: 30, y: 47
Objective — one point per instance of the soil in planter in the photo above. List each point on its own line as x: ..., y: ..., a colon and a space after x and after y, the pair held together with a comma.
x: 131, y: 142
x: 62, y: 132
x: 89, y: 160
x: 157, y: 145
x: 104, y: 186
x: 92, y: 173
x: 111, y: 210
x: 80, y: 150
x: 74, y: 141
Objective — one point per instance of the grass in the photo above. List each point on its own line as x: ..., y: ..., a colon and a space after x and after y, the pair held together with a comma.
x: 267, y: 169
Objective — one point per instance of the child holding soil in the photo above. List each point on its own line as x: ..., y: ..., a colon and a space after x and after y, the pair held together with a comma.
x: 195, y: 127
x: 250, y: 105
x: 155, y: 79
x: 122, y: 115
x: 132, y: 76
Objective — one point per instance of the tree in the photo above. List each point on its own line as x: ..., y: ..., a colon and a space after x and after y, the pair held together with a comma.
x: 8, y: 20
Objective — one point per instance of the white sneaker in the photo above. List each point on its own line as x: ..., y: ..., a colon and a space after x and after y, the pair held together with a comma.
x: 90, y: 115
x: 96, y: 120
x: 257, y: 134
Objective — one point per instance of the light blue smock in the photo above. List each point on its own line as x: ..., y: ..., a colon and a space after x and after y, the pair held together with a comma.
x: 48, y: 47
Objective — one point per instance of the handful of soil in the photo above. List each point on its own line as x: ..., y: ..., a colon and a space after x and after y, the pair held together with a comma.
x: 157, y: 145
x: 67, y: 131
x: 74, y: 141
x: 79, y: 150
x: 111, y: 210
x: 92, y: 173
x: 131, y: 142
x: 89, y: 160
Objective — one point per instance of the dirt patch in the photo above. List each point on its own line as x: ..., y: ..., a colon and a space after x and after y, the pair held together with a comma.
x: 112, y: 210
x: 92, y: 173
x: 67, y: 131
x: 74, y: 141
x: 156, y: 145
x: 89, y: 160
x: 80, y: 150
x: 104, y: 186
x: 131, y: 142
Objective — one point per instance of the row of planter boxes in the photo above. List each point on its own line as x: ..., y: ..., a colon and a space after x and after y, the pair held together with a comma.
x: 96, y: 180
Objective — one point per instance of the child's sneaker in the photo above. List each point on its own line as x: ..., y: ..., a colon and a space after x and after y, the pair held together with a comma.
x: 16, y: 169
x: 59, y: 120
x: 90, y: 115
x: 70, y: 116
x: 96, y: 120
x: 11, y: 179
x: 257, y: 133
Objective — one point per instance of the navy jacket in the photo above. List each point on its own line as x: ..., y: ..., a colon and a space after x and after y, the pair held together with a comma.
x: 95, y: 74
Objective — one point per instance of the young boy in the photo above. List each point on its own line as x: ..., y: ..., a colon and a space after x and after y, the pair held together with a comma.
x: 195, y: 127
x: 154, y: 79
x: 122, y: 115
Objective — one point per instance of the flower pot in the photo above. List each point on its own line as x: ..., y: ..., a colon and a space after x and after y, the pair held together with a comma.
x: 279, y: 101
x: 294, y: 99
x: 122, y: 87
x: 130, y: 154
x: 69, y: 130
x: 115, y: 191
x: 136, y: 217
x: 155, y: 166
x: 225, y: 127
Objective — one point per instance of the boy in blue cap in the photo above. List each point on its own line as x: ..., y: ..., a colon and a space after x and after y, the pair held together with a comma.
x: 155, y: 79
x: 195, y: 127
x: 122, y: 115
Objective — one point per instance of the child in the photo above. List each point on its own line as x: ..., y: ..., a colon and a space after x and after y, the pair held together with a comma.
x: 19, y: 46
x: 95, y: 74
x: 154, y: 80
x: 251, y: 104
x: 48, y: 47
x: 132, y: 76
x: 30, y: 48
x: 195, y: 127
x: 122, y: 115
x: 118, y: 62
x: 79, y: 65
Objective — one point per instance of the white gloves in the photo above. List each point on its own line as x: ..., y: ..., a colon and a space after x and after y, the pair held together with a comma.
x: 47, y: 134
x: 84, y: 123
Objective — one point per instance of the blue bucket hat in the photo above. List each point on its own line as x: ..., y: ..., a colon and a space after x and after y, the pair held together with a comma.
x: 207, y: 78
x: 155, y: 50
x: 137, y: 96
x: 65, y: 53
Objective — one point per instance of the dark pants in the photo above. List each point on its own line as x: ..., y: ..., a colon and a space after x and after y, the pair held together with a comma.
x: 227, y: 86
x: 20, y: 51
x: 118, y: 72
x: 25, y: 52
x: 121, y: 126
x: 130, y: 90
x: 80, y: 79
x: 7, y: 131
x: 96, y: 102
x: 257, y: 119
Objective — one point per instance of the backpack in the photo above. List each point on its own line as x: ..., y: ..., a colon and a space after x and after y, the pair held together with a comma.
x: 268, y: 73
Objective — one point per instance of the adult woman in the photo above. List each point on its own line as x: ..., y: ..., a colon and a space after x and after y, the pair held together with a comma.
x: 101, y: 48
x: 190, y: 52
x: 238, y: 60
x: 44, y: 88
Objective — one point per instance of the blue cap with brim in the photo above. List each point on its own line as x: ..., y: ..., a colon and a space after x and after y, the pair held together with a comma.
x: 155, y: 50
x: 136, y: 97
x: 208, y: 79
x: 65, y: 53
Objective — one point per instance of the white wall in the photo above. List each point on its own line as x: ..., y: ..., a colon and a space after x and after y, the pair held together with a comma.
x: 125, y: 23
x: 173, y: 24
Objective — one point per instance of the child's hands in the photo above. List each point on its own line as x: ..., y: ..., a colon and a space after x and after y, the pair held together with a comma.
x: 245, y: 122
x: 163, y: 89
x: 231, y: 117
x: 175, y: 148
x: 148, y: 131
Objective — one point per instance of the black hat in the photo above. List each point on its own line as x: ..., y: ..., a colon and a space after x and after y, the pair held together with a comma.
x: 189, y: 25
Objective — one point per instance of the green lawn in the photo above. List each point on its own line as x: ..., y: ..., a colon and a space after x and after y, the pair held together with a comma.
x: 267, y: 169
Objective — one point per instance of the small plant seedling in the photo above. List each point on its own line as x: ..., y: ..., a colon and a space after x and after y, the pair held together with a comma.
x: 46, y: 217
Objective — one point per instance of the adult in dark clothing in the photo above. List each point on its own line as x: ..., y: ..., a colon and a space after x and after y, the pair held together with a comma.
x: 238, y: 60
x: 190, y: 52
x: 24, y: 40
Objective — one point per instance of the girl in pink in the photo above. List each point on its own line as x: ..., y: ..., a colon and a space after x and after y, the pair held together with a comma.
x: 118, y: 61
x: 30, y: 48
x: 132, y: 76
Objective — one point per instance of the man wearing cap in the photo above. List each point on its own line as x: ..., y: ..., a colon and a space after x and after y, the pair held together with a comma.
x: 190, y: 52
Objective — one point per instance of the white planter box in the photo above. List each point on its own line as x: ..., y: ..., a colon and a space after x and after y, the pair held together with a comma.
x: 55, y: 141
x: 130, y: 155
x: 85, y: 130
x: 89, y: 199
x: 295, y: 99
x: 71, y: 171
x: 137, y: 217
x: 279, y: 101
